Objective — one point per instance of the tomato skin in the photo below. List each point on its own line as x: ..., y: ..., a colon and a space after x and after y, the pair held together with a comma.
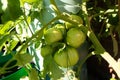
x: 67, y: 57
x: 52, y: 35
x: 46, y: 50
x: 61, y: 27
x: 75, y: 18
x: 75, y: 37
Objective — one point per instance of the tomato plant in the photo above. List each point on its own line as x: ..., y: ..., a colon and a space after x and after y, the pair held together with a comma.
x: 42, y: 35
x: 61, y: 27
x: 66, y: 57
x: 75, y: 37
x: 52, y: 35
x: 46, y: 50
x: 75, y: 18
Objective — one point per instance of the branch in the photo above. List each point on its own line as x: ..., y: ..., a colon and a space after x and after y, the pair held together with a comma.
x: 97, y: 45
x: 37, y: 35
x: 54, y: 6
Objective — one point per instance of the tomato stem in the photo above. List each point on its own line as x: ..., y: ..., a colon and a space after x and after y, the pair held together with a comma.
x: 97, y: 45
x: 26, y: 44
x: 36, y: 35
x: 54, y: 6
x: 82, y: 63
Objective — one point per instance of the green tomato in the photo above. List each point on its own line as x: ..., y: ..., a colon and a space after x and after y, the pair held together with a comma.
x: 75, y: 37
x: 67, y: 57
x: 75, y: 18
x: 46, y: 50
x: 52, y: 35
x: 60, y: 27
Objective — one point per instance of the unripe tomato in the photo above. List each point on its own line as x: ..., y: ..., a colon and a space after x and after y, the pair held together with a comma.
x: 75, y: 18
x: 46, y: 50
x: 66, y: 57
x: 52, y: 35
x: 60, y: 27
x: 75, y: 37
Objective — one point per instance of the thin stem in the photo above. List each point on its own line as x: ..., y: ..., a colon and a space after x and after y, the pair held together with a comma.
x: 25, y: 18
x: 36, y: 35
x: 8, y: 68
x: 81, y: 64
x: 114, y: 41
x: 87, y: 20
x: 102, y: 27
x: 7, y: 63
x: 25, y: 45
x: 97, y: 45
x: 54, y: 6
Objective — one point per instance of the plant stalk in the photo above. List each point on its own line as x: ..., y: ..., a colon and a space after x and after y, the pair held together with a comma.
x: 98, y: 47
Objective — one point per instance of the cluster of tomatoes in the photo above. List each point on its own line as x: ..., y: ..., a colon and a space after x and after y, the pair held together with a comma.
x: 61, y: 42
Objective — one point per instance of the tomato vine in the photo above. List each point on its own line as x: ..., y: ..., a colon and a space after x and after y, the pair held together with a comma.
x: 39, y: 36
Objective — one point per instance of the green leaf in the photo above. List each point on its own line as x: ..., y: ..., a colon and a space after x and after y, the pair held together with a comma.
x: 19, y: 29
x: 3, y: 39
x: 12, y: 45
x: 23, y: 59
x: 12, y: 12
x: 2, y: 70
x: 37, y: 44
x: 33, y: 75
x: 4, y: 29
x: 113, y: 79
x: 115, y: 43
x: 0, y: 7
x: 29, y: 1
x: 51, y: 68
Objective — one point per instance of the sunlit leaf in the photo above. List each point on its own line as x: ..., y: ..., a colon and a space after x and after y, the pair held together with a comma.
x: 19, y: 29
x: 29, y: 1
x: 37, y: 44
x: 33, y: 75
x: 23, y: 59
x: 3, y: 39
x: 12, y: 12
x: 12, y: 45
x: 113, y: 79
x: 50, y: 67
x: 29, y: 20
x: 6, y: 27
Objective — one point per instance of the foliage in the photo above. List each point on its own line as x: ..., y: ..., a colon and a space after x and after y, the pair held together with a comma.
x: 23, y: 25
